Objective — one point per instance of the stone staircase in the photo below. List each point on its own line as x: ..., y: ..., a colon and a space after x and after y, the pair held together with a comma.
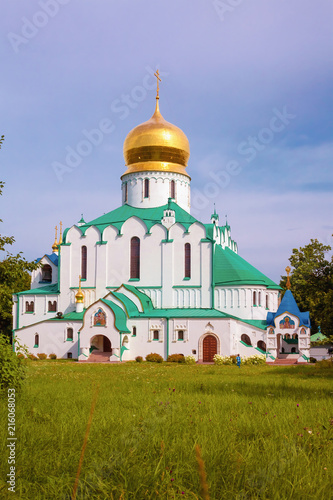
x: 286, y: 359
x: 99, y: 357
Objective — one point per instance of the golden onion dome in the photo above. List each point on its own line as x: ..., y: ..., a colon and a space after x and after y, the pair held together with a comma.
x: 79, y: 297
x: 156, y: 145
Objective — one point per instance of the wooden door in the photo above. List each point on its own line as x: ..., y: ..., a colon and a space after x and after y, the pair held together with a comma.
x: 209, y: 348
x: 106, y: 344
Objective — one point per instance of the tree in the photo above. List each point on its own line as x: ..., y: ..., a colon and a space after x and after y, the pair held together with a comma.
x: 312, y: 284
x: 14, y: 276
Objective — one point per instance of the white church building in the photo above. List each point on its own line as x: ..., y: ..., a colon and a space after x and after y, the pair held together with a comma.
x: 149, y: 277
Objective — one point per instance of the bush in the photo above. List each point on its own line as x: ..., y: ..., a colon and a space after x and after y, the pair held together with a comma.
x: 190, y: 360
x: 42, y: 355
x: 139, y: 359
x: 53, y: 356
x: 222, y: 360
x: 233, y: 358
x: 176, y: 358
x: 153, y: 357
x: 32, y: 357
x: 12, y: 367
x: 259, y: 359
x: 21, y: 356
x: 313, y: 360
x: 325, y: 363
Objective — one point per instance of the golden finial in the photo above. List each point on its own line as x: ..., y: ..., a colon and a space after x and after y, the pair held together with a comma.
x: 60, y: 235
x: 79, y: 296
x: 55, y: 244
x: 288, y: 277
x: 157, y: 74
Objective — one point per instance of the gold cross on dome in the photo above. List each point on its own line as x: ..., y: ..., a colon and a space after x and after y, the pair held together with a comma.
x: 288, y: 269
x: 157, y: 74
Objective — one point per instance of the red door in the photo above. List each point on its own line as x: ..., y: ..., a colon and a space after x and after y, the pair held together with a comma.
x: 209, y: 348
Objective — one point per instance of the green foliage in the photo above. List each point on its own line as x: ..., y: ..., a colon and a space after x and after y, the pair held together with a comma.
x: 190, y: 360
x: 14, y: 277
x: 32, y: 357
x: 12, y: 367
x: 259, y: 359
x: 139, y: 359
x: 222, y: 360
x: 153, y: 357
x: 312, y: 284
x: 42, y: 355
x: 264, y: 432
x: 176, y: 358
x: 52, y: 356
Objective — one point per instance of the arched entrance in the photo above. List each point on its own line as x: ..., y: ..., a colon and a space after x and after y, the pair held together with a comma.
x: 100, y: 343
x: 209, y: 348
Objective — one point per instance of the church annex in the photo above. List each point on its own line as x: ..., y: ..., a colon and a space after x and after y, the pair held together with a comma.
x: 149, y: 277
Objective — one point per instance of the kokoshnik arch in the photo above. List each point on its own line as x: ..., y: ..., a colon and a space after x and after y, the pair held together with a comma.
x: 149, y: 277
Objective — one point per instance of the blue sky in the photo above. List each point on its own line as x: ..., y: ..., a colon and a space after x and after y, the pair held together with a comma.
x: 249, y: 82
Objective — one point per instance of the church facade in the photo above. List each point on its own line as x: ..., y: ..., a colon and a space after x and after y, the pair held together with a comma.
x: 148, y: 276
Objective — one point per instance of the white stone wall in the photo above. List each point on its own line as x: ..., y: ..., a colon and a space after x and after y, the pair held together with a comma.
x: 159, y: 189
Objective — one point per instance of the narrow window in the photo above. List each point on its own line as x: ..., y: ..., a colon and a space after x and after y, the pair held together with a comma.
x: 69, y: 333
x: 52, y: 307
x: 254, y: 298
x: 156, y: 335
x: 180, y: 334
x: 146, y: 195
x: 172, y: 190
x: 259, y: 298
x: 135, y: 258
x: 47, y: 273
x: 36, y: 340
x: 134, y: 331
x: 84, y: 262
x: 27, y: 307
x: 125, y: 192
x: 187, y: 260
x: 267, y: 304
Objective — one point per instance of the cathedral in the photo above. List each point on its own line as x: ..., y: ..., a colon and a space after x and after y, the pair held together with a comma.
x: 149, y: 277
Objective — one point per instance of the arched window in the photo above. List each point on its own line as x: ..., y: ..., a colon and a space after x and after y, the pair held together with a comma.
x: 135, y: 258
x: 70, y: 334
x: 52, y: 306
x: 172, y: 189
x: 246, y: 339
x: 134, y: 331
x: 254, y: 298
x: 125, y: 192
x: 29, y: 307
x: 36, y: 340
x: 146, y: 190
x: 261, y: 345
x: 187, y: 260
x: 47, y: 273
x: 180, y: 334
x: 259, y: 298
x: 156, y: 335
x: 293, y: 350
x: 84, y: 262
x: 267, y: 301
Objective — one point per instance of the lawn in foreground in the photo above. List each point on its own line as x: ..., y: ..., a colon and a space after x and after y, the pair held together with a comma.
x: 264, y: 432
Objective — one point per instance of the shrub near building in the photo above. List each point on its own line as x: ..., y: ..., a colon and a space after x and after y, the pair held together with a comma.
x: 12, y: 368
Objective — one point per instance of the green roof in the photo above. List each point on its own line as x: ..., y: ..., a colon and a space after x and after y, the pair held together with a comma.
x: 119, y: 316
x: 47, y: 290
x: 129, y: 305
x: 150, y: 216
x: 146, y: 302
x: 318, y: 337
x: 231, y: 269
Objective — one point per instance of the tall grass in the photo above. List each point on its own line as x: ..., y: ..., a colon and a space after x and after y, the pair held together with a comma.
x: 264, y: 432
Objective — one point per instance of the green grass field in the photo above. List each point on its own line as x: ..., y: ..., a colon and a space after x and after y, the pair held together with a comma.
x: 264, y: 432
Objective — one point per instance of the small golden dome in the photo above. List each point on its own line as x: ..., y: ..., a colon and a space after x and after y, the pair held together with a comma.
x: 156, y: 145
x: 79, y: 297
